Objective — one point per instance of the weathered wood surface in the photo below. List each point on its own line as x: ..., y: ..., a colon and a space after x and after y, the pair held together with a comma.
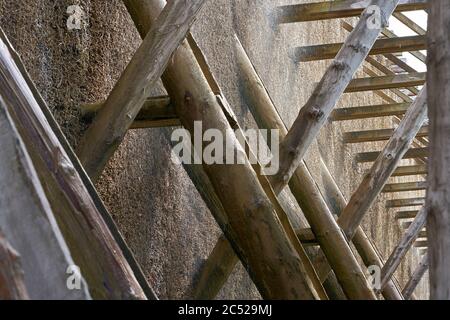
x: 438, y: 197
x: 156, y: 112
x: 402, y: 171
x: 381, y: 46
x: 365, y: 112
x: 411, y: 214
x: 386, y: 82
x: 262, y: 244
x: 336, y: 79
x: 384, y: 166
x: 416, y: 277
x: 335, y: 9
x: 409, y: 202
x: 128, y: 95
x: 376, y: 135
x: 91, y: 235
x: 404, y: 186
x: 27, y: 219
x: 412, y: 153
x: 402, y: 248
x: 12, y: 284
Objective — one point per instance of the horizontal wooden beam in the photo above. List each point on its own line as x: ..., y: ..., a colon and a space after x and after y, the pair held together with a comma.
x: 381, y: 46
x: 156, y: 112
x: 387, y: 82
x: 364, y: 112
x: 406, y: 186
x: 403, y: 171
x: 406, y: 214
x: 410, y: 154
x: 335, y: 9
x: 376, y: 135
x: 410, y: 202
x: 421, y: 244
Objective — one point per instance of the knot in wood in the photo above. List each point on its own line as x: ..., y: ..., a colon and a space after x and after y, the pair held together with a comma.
x: 316, y: 113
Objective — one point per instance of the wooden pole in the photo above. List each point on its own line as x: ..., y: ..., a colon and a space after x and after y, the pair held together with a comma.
x: 128, y: 95
x: 95, y: 244
x: 12, y: 284
x: 263, y: 246
x: 402, y: 248
x: 335, y: 9
x: 416, y: 277
x: 384, y: 166
x: 316, y: 111
x: 438, y: 197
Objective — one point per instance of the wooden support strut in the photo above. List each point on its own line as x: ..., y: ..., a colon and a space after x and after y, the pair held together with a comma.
x: 384, y: 166
x: 381, y: 46
x: 416, y: 277
x: 95, y: 244
x: 128, y: 95
x: 405, y: 186
x: 410, y: 154
x: 410, y: 202
x: 376, y: 135
x: 335, y: 9
x: 326, y: 94
x: 386, y: 82
x: 438, y: 195
x: 276, y: 269
x: 402, y: 248
x: 413, y: 170
x: 365, y: 112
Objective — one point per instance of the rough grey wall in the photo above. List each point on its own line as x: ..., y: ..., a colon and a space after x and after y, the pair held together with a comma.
x: 153, y: 201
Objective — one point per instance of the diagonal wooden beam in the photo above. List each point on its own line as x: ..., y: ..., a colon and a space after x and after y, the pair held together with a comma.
x: 89, y: 231
x: 376, y: 135
x: 419, y: 55
x: 410, y: 154
x: 402, y: 248
x: 128, y: 95
x: 438, y: 195
x: 409, y: 23
x: 416, y: 277
x: 280, y: 267
x: 384, y: 166
x: 381, y: 46
x: 335, y: 9
x: 386, y: 82
x: 365, y: 112
x: 336, y: 79
x: 267, y: 117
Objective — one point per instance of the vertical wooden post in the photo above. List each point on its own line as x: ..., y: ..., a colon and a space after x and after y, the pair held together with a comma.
x: 438, y: 198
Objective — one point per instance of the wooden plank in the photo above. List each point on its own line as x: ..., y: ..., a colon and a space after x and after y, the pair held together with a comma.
x: 277, y: 270
x: 376, y: 135
x: 128, y: 95
x: 91, y: 235
x: 403, y: 246
x: 419, y: 55
x: 28, y: 221
x: 406, y: 214
x: 405, y: 186
x: 403, y: 171
x: 386, y: 82
x: 438, y: 196
x: 12, y: 283
x: 336, y: 79
x: 410, y: 202
x: 335, y: 9
x: 410, y: 154
x: 421, y: 244
x: 366, y: 112
x: 381, y: 46
x: 416, y: 277
x: 156, y: 112
x: 385, y: 164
